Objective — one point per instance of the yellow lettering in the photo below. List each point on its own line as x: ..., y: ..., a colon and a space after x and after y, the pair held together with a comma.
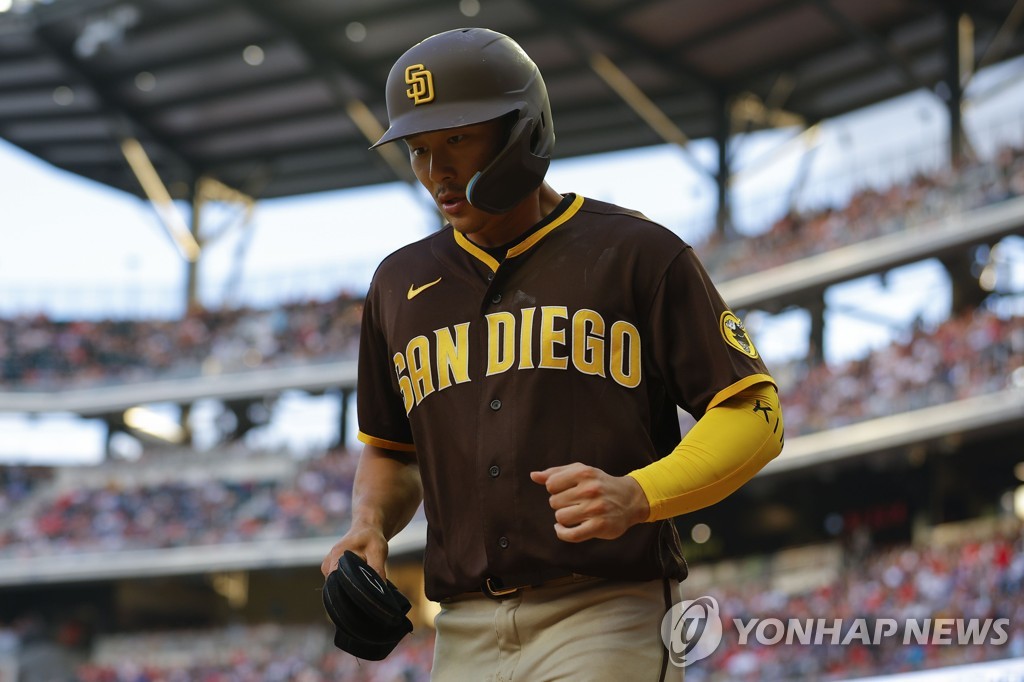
x: 594, y: 348
x: 452, y: 356
x: 501, y: 342
x: 625, y: 361
x: 404, y: 385
x: 526, y: 339
x: 550, y: 337
x: 588, y: 342
x: 418, y: 354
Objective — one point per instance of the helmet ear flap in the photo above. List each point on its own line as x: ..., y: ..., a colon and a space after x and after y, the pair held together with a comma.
x: 514, y: 172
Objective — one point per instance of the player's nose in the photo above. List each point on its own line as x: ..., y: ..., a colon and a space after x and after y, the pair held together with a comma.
x: 442, y: 168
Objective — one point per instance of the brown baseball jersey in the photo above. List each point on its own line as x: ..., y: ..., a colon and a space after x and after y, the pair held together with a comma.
x: 576, y: 347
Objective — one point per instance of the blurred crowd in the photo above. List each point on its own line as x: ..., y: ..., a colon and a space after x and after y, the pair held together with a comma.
x: 180, y: 513
x: 18, y: 483
x: 870, y: 213
x: 235, y: 653
x: 981, y: 577
x: 262, y: 653
x: 39, y: 353
x: 975, y: 353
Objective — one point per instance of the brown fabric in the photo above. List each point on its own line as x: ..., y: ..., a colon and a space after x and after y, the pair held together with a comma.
x: 633, y: 329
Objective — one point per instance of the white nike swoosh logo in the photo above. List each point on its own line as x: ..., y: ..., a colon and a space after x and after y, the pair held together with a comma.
x: 416, y: 291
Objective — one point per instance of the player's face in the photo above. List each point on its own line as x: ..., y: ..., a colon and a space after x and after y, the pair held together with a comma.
x: 444, y: 161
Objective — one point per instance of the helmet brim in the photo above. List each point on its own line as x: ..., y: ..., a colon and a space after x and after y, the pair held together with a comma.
x: 443, y: 117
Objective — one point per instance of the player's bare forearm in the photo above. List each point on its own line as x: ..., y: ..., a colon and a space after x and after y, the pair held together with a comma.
x: 387, y: 490
x: 589, y: 503
x: 386, y: 493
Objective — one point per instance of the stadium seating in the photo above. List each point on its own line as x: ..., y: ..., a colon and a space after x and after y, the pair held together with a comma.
x: 929, y: 367
x: 46, y: 354
x: 976, y: 352
x: 870, y: 213
x: 975, y: 575
x: 115, y: 512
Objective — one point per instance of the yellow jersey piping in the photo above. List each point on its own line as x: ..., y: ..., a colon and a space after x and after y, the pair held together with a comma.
x: 744, y: 383
x: 523, y: 246
x: 385, y: 444
x: 475, y: 250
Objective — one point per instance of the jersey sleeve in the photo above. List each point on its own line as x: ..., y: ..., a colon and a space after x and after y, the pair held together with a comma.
x: 383, y: 421
x: 700, y: 347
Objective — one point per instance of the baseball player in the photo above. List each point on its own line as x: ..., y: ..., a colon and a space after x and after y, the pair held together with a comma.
x: 520, y: 372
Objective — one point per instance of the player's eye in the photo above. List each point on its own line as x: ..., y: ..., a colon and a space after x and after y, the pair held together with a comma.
x: 455, y: 139
x: 417, y: 151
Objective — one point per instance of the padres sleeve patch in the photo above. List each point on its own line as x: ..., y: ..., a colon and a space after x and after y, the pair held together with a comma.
x: 735, y: 334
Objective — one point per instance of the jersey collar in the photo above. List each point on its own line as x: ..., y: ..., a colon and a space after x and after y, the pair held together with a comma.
x: 523, y: 246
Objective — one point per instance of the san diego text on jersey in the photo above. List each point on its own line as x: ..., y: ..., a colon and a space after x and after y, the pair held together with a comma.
x: 541, y: 338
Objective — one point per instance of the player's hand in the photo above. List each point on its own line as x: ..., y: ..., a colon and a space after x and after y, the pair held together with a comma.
x: 590, y: 504
x: 366, y: 541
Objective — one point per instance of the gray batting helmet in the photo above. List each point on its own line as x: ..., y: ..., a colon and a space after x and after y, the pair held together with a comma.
x: 468, y: 76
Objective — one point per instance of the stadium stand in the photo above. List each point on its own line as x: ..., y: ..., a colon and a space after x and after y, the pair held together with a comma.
x: 872, y: 212
x: 913, y: 531
x: 963, y: 570
x: 263, y: 652
x: 17, y: 484
x: 184, y: 503
x: 120, y: 507
x: 976, y: 575
x: 232, y: 495
x: 974, y: 353
x: 44, y: 353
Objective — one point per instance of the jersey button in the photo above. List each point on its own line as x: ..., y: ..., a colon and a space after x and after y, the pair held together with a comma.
x: 503, y: 542
x: 494, y: 471
x: 495, y: 404
x: 490, y: 276
x: 496, y: 299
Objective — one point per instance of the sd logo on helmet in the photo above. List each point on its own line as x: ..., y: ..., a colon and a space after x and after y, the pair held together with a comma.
x: 469, y: 76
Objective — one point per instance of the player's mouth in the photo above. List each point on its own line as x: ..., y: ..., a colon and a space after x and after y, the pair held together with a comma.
x: 452, y: 203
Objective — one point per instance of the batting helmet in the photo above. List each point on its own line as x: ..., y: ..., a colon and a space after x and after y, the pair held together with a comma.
x: 468, y: 76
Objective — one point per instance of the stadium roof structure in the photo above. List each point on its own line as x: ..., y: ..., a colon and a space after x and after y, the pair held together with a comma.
x: 281, y: 98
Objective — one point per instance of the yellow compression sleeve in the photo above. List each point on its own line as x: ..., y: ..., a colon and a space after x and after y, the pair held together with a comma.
x: 723, y: 450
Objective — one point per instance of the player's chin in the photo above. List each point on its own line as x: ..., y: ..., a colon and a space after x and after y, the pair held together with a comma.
x: 466, y: 222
